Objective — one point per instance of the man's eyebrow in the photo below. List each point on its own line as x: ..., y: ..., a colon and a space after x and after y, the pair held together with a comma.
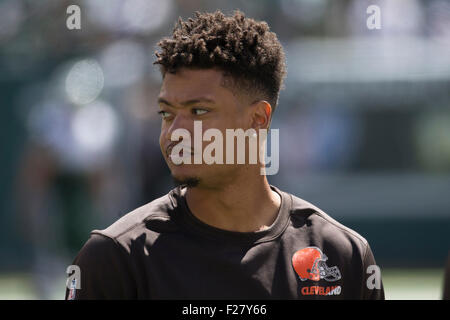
x: 186, y: 103
x: 164, y: 101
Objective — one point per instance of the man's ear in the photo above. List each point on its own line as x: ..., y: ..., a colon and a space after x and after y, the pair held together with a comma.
x: 262, y: 113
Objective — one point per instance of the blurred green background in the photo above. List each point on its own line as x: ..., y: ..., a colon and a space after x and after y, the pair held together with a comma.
x: 364, y: 124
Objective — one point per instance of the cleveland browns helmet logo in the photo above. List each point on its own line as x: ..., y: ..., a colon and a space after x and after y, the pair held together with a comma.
x: 309, y: 263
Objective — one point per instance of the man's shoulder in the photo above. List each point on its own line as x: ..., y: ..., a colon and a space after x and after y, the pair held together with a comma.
x: 304, y: 213
x: 154, y: 217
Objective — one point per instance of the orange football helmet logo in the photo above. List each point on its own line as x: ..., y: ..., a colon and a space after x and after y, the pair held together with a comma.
x: 309, y: 263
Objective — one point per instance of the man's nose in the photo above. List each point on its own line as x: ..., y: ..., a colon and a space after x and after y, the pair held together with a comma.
x: 179, y: 122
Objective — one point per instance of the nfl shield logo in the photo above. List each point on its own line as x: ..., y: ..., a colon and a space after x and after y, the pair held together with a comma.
x: 72, y: 290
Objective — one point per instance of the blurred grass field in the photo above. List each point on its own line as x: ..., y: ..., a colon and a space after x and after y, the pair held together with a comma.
x: 399, y: 284
x: 413, y: 284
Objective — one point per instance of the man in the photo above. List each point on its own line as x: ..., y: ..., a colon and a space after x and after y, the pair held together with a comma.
x: 223, y: 232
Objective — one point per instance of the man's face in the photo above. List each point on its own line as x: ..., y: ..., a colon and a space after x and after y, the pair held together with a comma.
x: 199, y: 95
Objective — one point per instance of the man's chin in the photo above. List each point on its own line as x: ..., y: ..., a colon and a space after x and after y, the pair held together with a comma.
x: 190, y: 182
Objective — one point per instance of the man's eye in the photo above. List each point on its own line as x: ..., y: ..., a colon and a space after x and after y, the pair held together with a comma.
x: 198, y: 111
x: 164, y: 114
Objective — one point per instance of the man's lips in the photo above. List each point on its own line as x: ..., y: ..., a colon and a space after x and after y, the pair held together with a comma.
x: 172, y: 145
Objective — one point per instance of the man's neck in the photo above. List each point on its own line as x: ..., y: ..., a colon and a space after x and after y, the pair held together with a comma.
x: 243, y: 206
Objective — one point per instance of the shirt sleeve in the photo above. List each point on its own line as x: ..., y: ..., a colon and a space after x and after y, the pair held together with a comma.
x: 446, y: 292
x: 103, y: 272
x: 372, y: 285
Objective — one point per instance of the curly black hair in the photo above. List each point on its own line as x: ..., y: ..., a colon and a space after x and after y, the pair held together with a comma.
x: 241, y: 47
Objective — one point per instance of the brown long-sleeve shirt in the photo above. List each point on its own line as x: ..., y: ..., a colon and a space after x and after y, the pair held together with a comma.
x: 162, y: 251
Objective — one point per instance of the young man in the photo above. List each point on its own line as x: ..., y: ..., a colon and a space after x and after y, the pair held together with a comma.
x: 224, y: 232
